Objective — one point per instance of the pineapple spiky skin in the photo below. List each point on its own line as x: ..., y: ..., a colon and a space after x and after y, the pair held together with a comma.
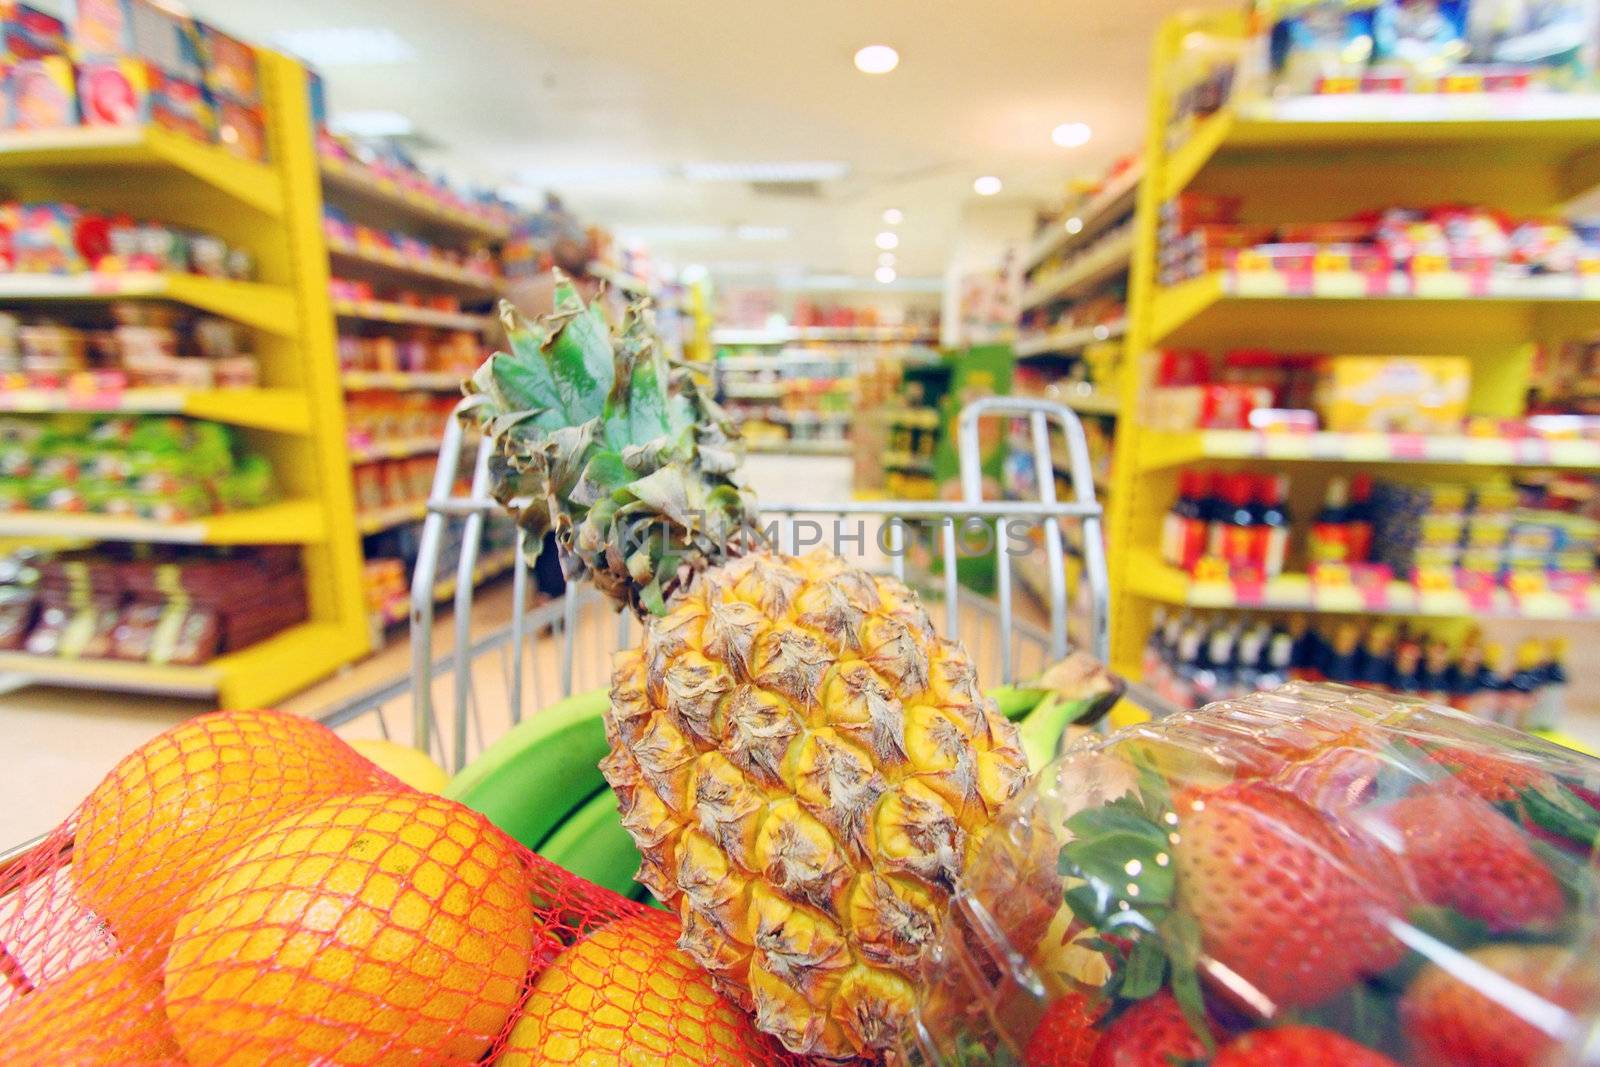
x: 802, y: 762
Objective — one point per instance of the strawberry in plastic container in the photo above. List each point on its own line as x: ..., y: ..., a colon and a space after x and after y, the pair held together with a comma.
x: 1311, y: 876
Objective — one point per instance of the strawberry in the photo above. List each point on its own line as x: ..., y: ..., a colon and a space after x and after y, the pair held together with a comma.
x: 1284, y: 905
x: 1493, y: 778
x: 1448, y: 1021
x: 1152, y: 1033
x: 1465, y: 855
x: 1066, y: 1036
x: 1297, y: 1046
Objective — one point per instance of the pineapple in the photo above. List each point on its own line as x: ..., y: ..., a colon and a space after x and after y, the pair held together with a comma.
x: 802, y: 761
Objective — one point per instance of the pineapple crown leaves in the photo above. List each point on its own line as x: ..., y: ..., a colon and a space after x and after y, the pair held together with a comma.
x: 622, y: 455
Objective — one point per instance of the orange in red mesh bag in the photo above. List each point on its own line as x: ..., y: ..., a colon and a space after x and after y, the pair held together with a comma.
x: 154, y: 828
x: 628, y: 995
x: 381, y: 928
x: 103, y: 1012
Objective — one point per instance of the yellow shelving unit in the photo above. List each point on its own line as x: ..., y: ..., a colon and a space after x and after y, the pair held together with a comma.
x: 296, y: 418
x: 1320, y: 158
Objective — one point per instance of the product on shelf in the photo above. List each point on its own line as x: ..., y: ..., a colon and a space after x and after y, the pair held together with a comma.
x: 131, y: 62
x: 149, y: 345
x: 165, y: 468
x: 359, y: 290
x: 1310, y: 875
x: 178, y: 606
x: 393, y: 483
x: 1447, y: 249
x: 60, y: 238
x: 412, y: 349
x: 340, y: 227
x: 389, y: 164
x: 384, y: 417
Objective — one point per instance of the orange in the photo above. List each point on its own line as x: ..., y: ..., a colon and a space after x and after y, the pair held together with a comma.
x: 154, y: 827
x: 627, y: 996
x: 380, y: 928
x: 106, y: 1013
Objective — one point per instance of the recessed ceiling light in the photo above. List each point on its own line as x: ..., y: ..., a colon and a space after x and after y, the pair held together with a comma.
x: 346, y: 46
x: 1073, y: 225
x: 885, y: 259
x: 887, y: 241
x: 1071, y: 134
x: 884, y: 274
x: 893, y: 216
x: 877, y: 59
x: 987, y: 185
x: 371, y: 124
x: 763, y: 171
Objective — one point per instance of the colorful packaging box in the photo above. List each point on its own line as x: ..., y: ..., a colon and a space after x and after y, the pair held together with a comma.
x: 28, y: 33
x: 230, y: 67
x: 132, y: 91
x: 1395, y: 394
x: 106, y: 29
x: 40, y: 94
x: 241, y: 129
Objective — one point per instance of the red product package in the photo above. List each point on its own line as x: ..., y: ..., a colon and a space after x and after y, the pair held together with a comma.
x: 28, y: 33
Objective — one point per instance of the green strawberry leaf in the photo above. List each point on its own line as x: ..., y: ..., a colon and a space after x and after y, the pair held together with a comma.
x: 1561, y: 814
x: 1122, y: 858
x: 1145, y: 970
x: 1180, y: 936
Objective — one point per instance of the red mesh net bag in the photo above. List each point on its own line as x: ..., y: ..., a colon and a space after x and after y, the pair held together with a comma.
x: 247, y: 889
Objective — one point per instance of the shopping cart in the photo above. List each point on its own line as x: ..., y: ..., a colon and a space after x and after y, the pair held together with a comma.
x: 548, y: 652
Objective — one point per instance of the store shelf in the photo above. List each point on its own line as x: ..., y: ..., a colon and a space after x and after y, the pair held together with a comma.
x: 142, y: 148
x: 373, y: 451
x: 1219, y: 310
x: 799, y: 448
x: 788, y: 334
x: 282, y: 410
x: 1088, y: 401
x: 405, y: 314
x: 1113, y: 202
x: 1064, y: 341
x: 753, y: 391
x: 403, y: 381
x: 1437, y: 130
x: 620, y: 279
x: 357, y: 260
x: 488, y: 567
x: 906, y: 461
x: 381, y: 519
x: 266, y: 307
x: 394, y: 204
x: 1161, y: 450
x: 1091, y: 269
x: 295, y: 522
x: 252, y: 677
x: 1149, y: 577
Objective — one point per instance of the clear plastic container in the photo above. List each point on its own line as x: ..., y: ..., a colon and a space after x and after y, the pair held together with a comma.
x: 1312, y: 875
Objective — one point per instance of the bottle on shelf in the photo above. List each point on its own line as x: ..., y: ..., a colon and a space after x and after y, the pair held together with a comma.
x: 1343, y: 654
x: 1435, y: 676
x: 1306, y: 662
x: 1330, y: 532
x: 1183, y: 530
x: 1271, y: 524
x: 1466, y: 677
x: 1280, y: 659
x: 1358, y: 523
x: 1232, y: 536
x: 1375, y: 670
x: 1155, y: 649
x: 1494, y: 675
x: 1250, y: 657
x: 1522, y: 687
x: 1407, y: 676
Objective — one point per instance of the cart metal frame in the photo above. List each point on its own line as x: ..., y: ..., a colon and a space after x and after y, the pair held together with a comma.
x: 795, y: 525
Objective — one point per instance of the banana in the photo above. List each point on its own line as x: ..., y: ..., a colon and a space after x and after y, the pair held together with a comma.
x: 592, y: 844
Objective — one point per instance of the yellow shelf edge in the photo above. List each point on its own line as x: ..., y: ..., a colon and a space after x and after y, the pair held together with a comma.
x: 381, y: 519
x: 387, y: 311
x: 294, y: 522
x: 430, y: 381
x: 381, y: 450
x: 266, y: 307
x: 282, y: 410
x: 251, y: 183
x: 1166, y: 449
x: 356, y: 180
x: 1074, y: 339
x: 408, y: 267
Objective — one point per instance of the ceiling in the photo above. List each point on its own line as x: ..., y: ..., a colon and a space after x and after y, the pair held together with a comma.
x: 605, y: 102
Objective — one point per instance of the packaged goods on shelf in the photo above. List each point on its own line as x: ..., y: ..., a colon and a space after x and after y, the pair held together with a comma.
x: 416, y: 350
x: 60, y: 238
x: 181, y: 607
x: 383, y: 417
x: 387, y: 165
x: 149, y: 345
x: 1395, y: 251
x: 393, y: 484
x: 131, y: 63
x: 344, y: 230
x: 386, y: 584
x: 169, y: 469
x: 1193, y: 658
